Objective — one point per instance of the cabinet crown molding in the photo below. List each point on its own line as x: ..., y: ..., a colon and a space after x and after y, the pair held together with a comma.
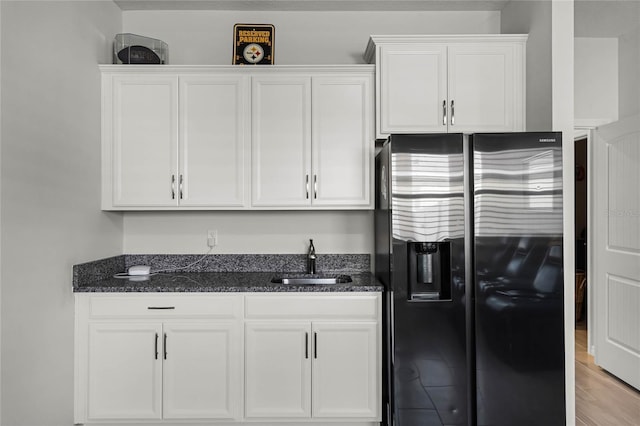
x: 240, y: 70
x: 374, y: 40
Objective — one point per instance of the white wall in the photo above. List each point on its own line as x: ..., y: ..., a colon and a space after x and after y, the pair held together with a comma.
x: 533, y: 17
x: 50, y: 194
x: 596, y: 80
x: 618, y: 19
x: 629, y: 78
x: 206, y: 37
x: 249, y: 232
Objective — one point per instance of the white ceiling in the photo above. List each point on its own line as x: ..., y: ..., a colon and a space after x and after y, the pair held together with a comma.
x: 311, y: 5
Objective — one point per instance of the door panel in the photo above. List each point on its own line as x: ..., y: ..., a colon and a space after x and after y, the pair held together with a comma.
x: 214, y: 130
x: 201, y: 371
x: 481, y: 88
x: 145, y: 126
x: 278, y: 369
x: 616, y: 242
x: 412, y: 89
x: 342, y: 140
x: 124, y: 371
x: 281, y: 141
x: 345, y: 370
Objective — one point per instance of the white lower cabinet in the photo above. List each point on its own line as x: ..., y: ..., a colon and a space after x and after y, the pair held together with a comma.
x: 182, y: 359
x: 277, y: 369
x: 200, y: 371
x: 345, y: 369
x: 124, y: 374
x: 157, y: 358
x: 314, y: 357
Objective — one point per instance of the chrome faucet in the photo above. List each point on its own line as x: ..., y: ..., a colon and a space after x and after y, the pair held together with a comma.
x: 311, y: 259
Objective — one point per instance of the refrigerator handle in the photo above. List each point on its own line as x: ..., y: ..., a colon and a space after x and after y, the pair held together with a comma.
x: 444, y: 112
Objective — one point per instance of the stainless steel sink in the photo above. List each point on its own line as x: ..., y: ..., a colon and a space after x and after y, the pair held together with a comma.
x: 311, y: 280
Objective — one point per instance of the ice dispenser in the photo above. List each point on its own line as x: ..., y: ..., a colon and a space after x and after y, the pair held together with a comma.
x: 429, y: 271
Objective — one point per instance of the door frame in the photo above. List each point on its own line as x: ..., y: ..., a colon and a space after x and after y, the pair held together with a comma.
x: 587, y: 132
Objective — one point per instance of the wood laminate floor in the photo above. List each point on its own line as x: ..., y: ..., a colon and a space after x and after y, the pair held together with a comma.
x: 601, y: 399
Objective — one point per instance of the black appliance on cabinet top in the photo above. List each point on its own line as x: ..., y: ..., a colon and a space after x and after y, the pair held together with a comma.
x: 469, y: 247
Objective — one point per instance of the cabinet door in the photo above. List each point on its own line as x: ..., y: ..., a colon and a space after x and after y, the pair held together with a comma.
x: 346, y: 370
x: 412, y: 89
x: 342, y: 140
x: 125, y: 370
x: 281, y: 141
x: 201, y: 371
x: 214, y: 130
x: 483, y: 93
x: 277, y: 369
x: 144, y: 140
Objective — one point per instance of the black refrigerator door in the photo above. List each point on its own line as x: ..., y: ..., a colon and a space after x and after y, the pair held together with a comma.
x: 518, y: 278
x: 428, y: 361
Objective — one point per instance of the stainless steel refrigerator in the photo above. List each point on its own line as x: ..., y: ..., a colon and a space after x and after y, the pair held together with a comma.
x: 469, y: 247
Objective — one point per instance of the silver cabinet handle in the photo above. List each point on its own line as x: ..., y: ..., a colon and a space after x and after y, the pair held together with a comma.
x: 180, y: 186
x: 173, y: 187
x: 315, y: 187
x: 315, y: 345
x: 453, y: 114
x: 307, y: 185
x: 164, y: 345
x: 444, y: 112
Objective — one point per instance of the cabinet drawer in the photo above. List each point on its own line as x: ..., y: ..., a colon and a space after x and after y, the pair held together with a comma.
x: 312, y: 306
x: 164, y: 306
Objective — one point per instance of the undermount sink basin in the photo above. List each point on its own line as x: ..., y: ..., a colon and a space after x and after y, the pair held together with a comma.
x: 306, y: 280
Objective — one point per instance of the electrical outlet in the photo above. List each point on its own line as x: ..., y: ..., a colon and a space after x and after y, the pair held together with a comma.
x: 212, y: 237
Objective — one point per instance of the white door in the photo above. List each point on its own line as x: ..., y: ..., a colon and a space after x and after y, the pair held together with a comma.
x: 342, y: 140
x: 616, y: 247
x: 482, y: 88
x: 281, y: 141
x: 201, y: 371
x: 125, y: 371
x: 277, y: 369
x: 214, y: 135
x: 345, y: 370
x: 412, y: 89
x: 144, y: 140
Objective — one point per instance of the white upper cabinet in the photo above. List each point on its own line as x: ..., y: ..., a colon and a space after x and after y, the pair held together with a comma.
x: 141, y: 120
x: 342, y: 135
x: 230, y: 138
x: 173, y: 140
x: 281, y: 140
x: 312, y: 142
x: 214, y: 136
x: 413, y: 88
x: 449, y: 83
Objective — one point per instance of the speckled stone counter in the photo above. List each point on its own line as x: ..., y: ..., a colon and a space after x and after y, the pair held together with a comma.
x: 222, y: 273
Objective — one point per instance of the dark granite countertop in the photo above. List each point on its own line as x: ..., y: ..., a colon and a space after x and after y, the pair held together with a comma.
x: 223, y: 282
x: 221, y: 273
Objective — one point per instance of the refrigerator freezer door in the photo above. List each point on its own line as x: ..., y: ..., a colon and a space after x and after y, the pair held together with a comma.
x: 517, y: 257
x: 428, y: 361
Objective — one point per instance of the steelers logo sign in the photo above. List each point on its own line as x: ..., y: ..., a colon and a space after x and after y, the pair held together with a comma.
x: 253, y: 53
